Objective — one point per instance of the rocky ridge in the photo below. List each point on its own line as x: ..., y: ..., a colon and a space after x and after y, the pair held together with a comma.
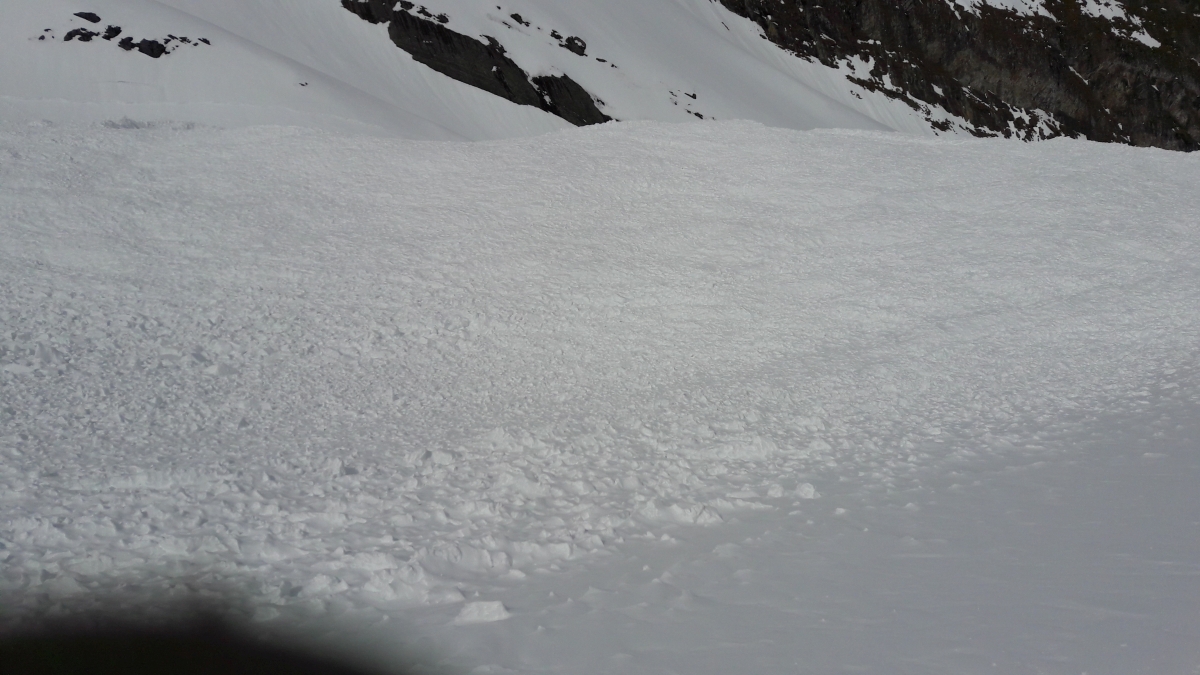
x: 1075, y: 68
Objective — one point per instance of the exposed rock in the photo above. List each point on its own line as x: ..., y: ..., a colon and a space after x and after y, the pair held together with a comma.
x: 88, y: 16
x: 576, y: 45
x: 568, y: 100
x: 152, y: 48
x: 479, y: 64
x: 1007, y: 74
x: 83, y: 34
x: 570, y: 43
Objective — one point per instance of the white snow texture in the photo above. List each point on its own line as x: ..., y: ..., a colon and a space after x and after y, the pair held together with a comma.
x: 347, y: 375
x: 782, y: 392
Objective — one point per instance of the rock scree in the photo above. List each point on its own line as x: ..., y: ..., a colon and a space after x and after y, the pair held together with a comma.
x: 150, y: 47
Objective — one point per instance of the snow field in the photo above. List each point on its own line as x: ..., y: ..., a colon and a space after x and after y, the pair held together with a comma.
x: 347, y: 376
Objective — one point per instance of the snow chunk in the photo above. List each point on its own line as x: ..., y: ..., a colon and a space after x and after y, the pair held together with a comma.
x: 687, y: 515
x: 481, y: 612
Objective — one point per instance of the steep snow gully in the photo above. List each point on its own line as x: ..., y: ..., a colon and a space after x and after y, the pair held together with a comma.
x: 638, y: 397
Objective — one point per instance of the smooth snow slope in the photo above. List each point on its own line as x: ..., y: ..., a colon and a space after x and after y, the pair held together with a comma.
x: 312, y: 63
x: 238, y: 80
x: 355, y: 378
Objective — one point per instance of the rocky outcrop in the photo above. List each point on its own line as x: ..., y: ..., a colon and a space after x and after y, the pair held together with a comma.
x: 1007, y: 74
x: 480, y: 64
x: 152, y: 48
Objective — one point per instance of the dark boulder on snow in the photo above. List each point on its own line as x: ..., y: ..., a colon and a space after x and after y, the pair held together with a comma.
x: 88, y: 16
x: 83, y: 34
x: 575, y: 44
x: 479, y: 64
x: 1130, y: 80
x: 570, y: 43
x: 152, y: 48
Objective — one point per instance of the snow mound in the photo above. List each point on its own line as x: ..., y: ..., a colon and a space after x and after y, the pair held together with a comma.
x: 481, y: 612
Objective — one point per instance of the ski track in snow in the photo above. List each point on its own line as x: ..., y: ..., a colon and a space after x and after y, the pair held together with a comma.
x: 348, y: 375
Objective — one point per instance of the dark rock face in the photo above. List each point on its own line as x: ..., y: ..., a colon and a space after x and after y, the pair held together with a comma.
x: 88, y: 16
x: 1088, y: 76
x: 482, y: 65
x: 152, y: 48
x: 568, y: 100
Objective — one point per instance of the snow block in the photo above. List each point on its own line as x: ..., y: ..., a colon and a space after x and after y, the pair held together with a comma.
x: 481, y: 612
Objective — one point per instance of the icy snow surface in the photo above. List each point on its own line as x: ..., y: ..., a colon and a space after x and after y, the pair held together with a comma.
x: 640, y: 397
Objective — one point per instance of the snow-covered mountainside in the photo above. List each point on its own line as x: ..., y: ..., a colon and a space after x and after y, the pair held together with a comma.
x: 471, y: 69
x: 312, y: 65
x: 319, y: 63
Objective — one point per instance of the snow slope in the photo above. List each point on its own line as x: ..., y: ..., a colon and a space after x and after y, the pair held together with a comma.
x: 355, y: 378
x: 312, y: 63
x: 670, y: 61
x: 239, y: 80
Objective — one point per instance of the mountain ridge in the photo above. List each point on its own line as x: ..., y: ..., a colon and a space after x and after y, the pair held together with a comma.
x: 471, y: 70
x: 1086, y: 70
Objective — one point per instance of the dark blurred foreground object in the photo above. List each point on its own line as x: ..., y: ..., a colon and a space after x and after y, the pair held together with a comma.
x: 194, y: 648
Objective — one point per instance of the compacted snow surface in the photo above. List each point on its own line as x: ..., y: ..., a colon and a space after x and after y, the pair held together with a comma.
x: 634, y: 398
